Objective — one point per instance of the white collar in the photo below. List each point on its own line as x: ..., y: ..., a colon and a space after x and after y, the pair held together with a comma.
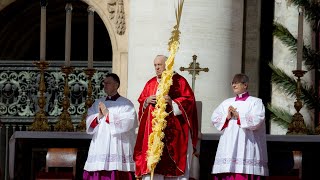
x: 240, y: 95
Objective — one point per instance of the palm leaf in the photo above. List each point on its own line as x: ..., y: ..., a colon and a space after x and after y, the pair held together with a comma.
x: 285, y: 36
x: 309, y: 97
x: 311, y: 10
x: 280, y: 116
x: 282, y: 80
x: 310, y: 57
x: 288, y: 85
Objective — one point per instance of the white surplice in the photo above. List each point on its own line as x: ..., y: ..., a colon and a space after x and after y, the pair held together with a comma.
x: 112, y: 144
x: 241, y: 149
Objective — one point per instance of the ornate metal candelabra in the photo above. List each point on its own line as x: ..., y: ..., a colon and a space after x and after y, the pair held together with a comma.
x: 64, y: 123
x: 89, y: 101
x: 40, y: 122
x: 297, y: 125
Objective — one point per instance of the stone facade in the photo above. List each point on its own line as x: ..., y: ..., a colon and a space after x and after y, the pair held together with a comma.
x: 139, y: 30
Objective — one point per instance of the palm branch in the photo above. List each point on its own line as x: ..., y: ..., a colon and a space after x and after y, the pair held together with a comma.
x: 310, y: 57
x: 288, y: 85
x: 280, y: 116
x: 311, y: 10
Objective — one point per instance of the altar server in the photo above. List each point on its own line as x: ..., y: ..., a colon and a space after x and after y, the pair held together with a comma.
x: 112, y: 122
x: 242, y: 149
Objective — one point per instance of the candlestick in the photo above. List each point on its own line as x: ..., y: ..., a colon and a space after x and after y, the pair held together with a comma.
x: 89, y: 100
x: 297, y: 125
x: 300, y: 39
x: 64, y: 122
x: 40, y: 122
x: 90, y: 36
x: 43, y: 33
x: 68, y: 35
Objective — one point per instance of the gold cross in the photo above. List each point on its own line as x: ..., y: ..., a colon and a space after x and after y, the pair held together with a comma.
x: 194, y: 69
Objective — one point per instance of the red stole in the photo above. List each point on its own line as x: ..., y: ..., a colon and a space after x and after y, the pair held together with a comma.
x: 174, y: 156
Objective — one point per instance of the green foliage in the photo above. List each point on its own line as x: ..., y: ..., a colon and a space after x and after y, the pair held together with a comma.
x: 288, y: 85
x: 282, y: 80
x: 309, y: 97
x: 285, y: 36
x: 310, y: 57
x: 280, y: 116
x: 312, y: 12
x: 311, y: 60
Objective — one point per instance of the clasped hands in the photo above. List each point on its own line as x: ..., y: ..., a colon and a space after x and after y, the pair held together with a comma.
x: 232, y: 113
x: 153, y: 99
x: 103, y: 110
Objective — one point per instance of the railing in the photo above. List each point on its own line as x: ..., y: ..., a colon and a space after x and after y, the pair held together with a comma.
x: 19, y: 89
x: 19, y: 86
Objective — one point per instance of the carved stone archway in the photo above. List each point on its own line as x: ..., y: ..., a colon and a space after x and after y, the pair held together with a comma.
x: 114, y: 14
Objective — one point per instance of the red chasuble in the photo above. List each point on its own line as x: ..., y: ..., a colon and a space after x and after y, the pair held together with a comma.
x: 174, y: 156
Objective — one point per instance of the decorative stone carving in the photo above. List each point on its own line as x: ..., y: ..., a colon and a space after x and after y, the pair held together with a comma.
x: 117, y: 15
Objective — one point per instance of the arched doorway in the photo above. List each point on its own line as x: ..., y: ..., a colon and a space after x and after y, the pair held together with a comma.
x: 20, y: 40
x: 20, y: 32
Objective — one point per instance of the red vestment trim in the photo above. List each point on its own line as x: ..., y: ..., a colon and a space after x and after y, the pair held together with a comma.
x: 227, y: 123
x: 174, y: 156
x: 107, y: 119
x: 94, y: 123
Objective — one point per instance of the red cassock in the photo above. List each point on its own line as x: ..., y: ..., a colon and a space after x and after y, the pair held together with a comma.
x: 174, y: 156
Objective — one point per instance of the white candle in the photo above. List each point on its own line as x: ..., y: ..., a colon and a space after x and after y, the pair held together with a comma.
x: 300, y: 39
x: 68, y: 35
x: 43, y: 34
x: 90, y: 36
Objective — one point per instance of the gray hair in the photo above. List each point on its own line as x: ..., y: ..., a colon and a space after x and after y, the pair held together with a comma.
x: 161, y: 56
